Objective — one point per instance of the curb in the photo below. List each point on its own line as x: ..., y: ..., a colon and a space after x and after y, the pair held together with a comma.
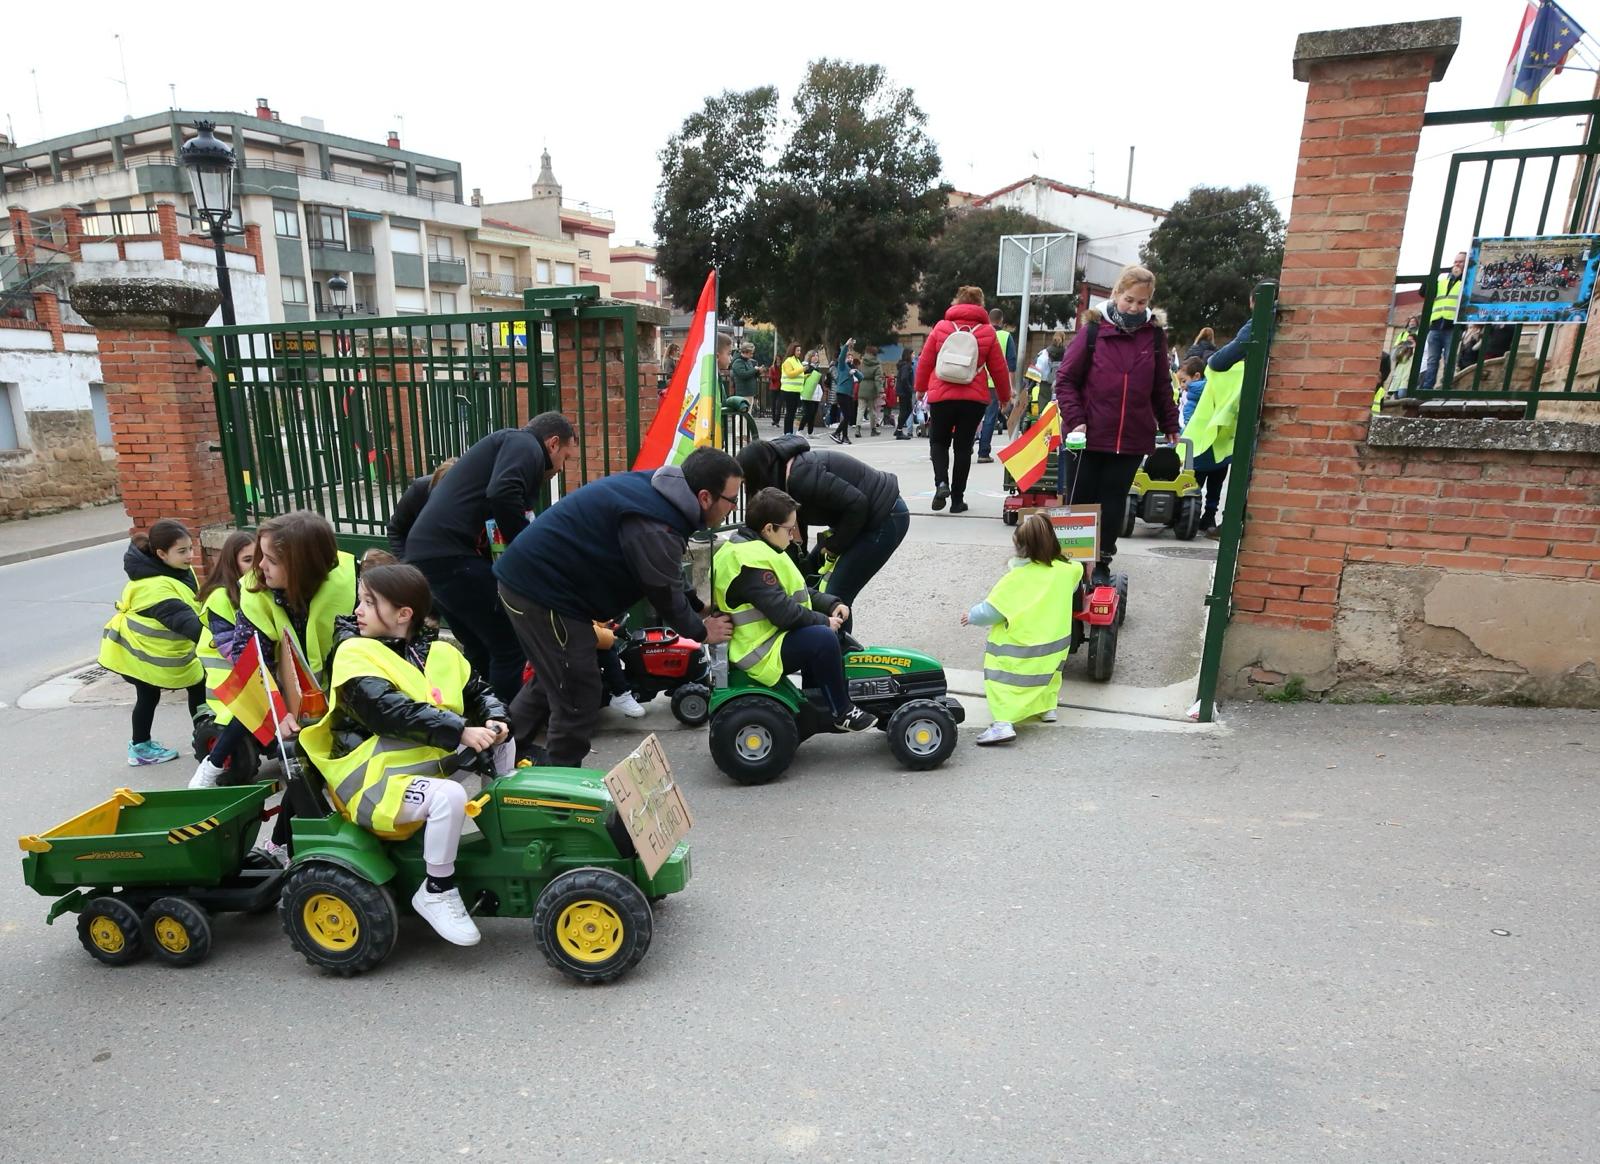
x: 83, y: 543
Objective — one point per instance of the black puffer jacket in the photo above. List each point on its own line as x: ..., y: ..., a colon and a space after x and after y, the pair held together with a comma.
x: 834, y: 489
x: 173, y: 613
x: 372, y: 706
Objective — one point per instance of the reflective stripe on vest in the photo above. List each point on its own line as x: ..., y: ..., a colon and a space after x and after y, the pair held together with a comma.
x: 1022, y: 659
x: 336, y: 596
x: 368, y: 783
x: 140, y: 647
x: 217, y: 669
x: 794, y: 374
x: 757, y: 645
x: 1446, y: 298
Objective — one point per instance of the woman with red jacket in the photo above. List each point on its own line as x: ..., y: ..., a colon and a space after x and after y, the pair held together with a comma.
x: 955, y: 410
x: 1113, y: 386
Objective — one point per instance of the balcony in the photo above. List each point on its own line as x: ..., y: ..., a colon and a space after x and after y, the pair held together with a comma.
x: 503, y: 286
x: 446, y: 270
x: 175, y: 182
x: 335, y: 255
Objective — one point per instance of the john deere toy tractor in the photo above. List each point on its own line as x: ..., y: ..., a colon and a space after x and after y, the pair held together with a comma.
x: 756, y: 729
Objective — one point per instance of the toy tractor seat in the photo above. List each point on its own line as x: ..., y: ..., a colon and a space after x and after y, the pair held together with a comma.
x: 1163, y: 465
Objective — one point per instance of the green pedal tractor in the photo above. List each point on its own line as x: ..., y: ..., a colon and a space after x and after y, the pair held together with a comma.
x: 144, y: 870
x: 756, y: 729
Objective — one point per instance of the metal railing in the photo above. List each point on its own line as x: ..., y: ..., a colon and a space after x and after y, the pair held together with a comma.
x: 486, y: 284
x: 1541, y: 362
x: 16, y: 181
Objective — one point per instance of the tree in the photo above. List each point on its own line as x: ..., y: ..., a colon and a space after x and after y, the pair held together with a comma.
x: 968, y: 253
x: 1209, y: 253
x: 821, y: 225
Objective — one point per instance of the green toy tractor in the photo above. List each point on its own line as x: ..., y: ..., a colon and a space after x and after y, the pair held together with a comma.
x: 1166, y: 492
x: 756, y: 729
x: 549, y: 845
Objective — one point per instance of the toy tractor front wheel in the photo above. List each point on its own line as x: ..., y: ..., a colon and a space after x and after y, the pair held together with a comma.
x: 1102, y: 651
x: 109, y: 929
x: 691, y: 704
x: 339, y: 921
x: 176, y: 931
x: 1187, y: 522
x: 1009, y: 516
x: 1120, y: 581
x: 922, y: 734
x: 592, y: 924
x: 753, y: 739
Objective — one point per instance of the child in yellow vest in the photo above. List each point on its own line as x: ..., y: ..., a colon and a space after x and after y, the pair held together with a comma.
x: 399, y: 699
x: 781, y: 626
x: 1029, y: 616
x: 150, y: 640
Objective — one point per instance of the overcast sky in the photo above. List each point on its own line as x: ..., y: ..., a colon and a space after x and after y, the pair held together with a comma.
x: 1203, y: 91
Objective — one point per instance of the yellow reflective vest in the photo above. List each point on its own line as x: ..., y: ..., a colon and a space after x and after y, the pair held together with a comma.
x: 1446, y: 298
x: 1003, y: 338
x: 137, y: 645
x: 368, y: 783
x: 1022, y: 660
x: 212, y: 662
x: 793, y: 375
x: 336, y: 596
x: 757, y: 645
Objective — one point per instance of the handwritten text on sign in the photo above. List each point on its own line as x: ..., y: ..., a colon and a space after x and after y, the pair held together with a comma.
x: 648, y: 801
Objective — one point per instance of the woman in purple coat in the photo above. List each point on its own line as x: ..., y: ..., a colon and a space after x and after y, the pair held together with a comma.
x: 1113, y: 386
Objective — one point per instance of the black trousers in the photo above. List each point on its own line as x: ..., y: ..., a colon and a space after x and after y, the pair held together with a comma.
x: 786, y: 404
x: 953, y: 421
x: 464, y: 592
x: 566, y: 693
x: 808, y: 415
x: 907, y: 399
x: 1104, y: 479
x: 146, y: 697
x: 847, y: 414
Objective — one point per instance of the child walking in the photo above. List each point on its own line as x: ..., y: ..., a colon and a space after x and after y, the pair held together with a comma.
x: 400, y: 700
x: 151, y: 639
x: 1029, y: 616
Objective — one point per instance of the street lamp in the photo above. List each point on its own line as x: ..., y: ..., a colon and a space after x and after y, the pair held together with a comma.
x: 338, y: 287
x: 210, y: 166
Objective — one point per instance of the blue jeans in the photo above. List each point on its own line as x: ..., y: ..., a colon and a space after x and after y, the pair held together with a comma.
x: 866, y: 556
x: 814, y: 652
x: 1433, y: 352
x: 991, y: 417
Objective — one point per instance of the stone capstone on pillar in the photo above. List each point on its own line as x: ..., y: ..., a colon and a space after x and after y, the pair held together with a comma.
x: 139, y: 304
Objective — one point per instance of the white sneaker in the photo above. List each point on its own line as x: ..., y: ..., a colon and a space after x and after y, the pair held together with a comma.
x: 279, y: 853
x: 627, y: 705
x: 1048, y: 716
x: 447, y: 914
x: 999, y: 732
x: 206, y: 775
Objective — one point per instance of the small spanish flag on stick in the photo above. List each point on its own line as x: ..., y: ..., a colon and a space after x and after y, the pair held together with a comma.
x: 250, y: 693
x: 1026, y: 457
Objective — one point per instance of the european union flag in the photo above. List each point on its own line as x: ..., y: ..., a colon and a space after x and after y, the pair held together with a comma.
x: 1554, y: 34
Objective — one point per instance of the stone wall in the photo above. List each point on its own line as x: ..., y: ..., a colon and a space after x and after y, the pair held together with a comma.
x: 64, y: 467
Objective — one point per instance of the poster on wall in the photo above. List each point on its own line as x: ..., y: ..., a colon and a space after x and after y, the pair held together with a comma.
x: 1538, y: 279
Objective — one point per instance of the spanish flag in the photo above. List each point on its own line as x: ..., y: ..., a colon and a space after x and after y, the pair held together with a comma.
x: 1026, y: 457
x: 250, y: 693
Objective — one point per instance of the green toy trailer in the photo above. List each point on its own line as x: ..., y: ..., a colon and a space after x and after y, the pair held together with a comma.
x: 144, y: 870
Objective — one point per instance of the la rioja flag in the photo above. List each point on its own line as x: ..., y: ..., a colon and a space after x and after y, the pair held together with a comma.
x: 690, y: 413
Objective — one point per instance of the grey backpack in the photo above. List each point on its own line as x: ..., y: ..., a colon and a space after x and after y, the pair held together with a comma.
x: 958, y: 357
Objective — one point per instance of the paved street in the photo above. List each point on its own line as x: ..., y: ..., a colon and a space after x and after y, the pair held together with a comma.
x: 1319, y: 933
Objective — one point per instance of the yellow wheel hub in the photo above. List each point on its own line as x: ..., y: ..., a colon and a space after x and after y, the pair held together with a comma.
x: 590, y: 931
x: 330, y: 922
x: 170, y: 934
x: 107, y: 935
x: 923, y: 735
x: 752, y: 742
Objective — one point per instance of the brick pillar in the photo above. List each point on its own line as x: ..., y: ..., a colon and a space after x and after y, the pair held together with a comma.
x: 1367, y: 88
x: 252, y: 243
x: 73, y: 219
x: 167, y: 219
x: 604, y: 388
x: 21, y: 233
x: 160, y: 398
x: 47, y: 311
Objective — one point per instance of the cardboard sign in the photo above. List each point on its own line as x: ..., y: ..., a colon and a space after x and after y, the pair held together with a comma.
x: 1078, y: 531
x: 649, y: 803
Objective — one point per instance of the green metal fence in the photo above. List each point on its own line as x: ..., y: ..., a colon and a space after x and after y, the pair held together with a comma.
x: 1511, y: 192
x: 1219, y: 602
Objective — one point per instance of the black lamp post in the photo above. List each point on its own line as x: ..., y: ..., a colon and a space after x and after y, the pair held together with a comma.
x: 210, y: 166
x: 338, y: 286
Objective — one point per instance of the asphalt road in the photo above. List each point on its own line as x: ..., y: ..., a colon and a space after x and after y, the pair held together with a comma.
x: 54, y: 609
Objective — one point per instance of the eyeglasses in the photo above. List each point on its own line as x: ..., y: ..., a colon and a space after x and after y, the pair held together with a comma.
x: 793, y: 529
x: 734, y: 500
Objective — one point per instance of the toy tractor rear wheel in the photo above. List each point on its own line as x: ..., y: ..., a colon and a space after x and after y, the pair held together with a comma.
x: 1120, y: 581
x: 753, y: 739
x: 922, y: 734
x: 592, y: 924
x: 691, y: 704
x: 109, y: 929
x: 1187, y: 521
x: 1009, y: 516
x: 1102, y: 652
x: 339, y: 921
x: 176, y: 931
x: 1130, y: 516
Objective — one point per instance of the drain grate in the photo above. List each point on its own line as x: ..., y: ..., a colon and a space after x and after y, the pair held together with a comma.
x: 1206, y: 553
x: 89, y: 674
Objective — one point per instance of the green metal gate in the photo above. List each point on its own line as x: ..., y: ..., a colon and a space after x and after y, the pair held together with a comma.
x: 1219, y: 602
x: 338, y: 416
